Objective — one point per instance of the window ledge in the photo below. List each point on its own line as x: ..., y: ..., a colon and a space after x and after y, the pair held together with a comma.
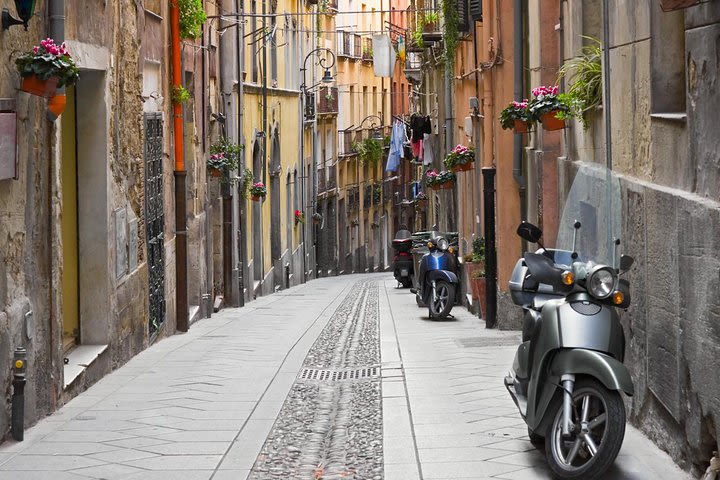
x: 674, y: 117
x: 79, y: 359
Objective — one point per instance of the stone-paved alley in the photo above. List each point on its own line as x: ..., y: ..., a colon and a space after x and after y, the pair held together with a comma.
x: 341, y: 377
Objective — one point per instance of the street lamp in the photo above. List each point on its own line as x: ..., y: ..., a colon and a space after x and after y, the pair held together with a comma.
x: 325, y: 59
x: 377, y: 132
x: 25, y: 10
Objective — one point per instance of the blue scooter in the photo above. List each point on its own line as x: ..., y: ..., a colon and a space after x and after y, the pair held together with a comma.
x: 437, y: 278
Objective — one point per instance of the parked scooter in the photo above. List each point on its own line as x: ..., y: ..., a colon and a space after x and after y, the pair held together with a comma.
x: 568, y: 372
x: 403, y: 267
x: 437, y: 277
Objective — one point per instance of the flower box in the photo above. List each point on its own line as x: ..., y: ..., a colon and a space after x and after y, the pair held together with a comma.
x: 42, y: 88
x: 463, y: 167
x: 255, y: 198
x: 550, y: 122
x: 520, y: 126
x: 215, y: 172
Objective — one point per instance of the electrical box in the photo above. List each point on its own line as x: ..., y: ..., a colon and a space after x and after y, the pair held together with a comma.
x: 8, y: 139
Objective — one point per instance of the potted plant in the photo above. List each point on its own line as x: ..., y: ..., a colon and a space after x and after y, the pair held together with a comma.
x: 258, y: 190
x: 440, y: 180
x: 474, y: 264
x: 46, y: 68
x: 421, y: 200
x: 584, y: 74
x: 415, y: 41
x: 316, y: 218
x: 517, y: 117
x: 479, y: 288
x: 429, y: 22
x: 370, y: 150
x: 299, y: 217
x: 224, y: 158
x: 460, y: 158
x: 549, y: 107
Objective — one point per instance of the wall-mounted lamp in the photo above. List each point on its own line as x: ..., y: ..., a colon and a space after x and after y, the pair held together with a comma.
x: 25, y: 10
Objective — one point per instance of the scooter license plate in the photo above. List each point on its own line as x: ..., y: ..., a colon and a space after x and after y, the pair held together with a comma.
x: 404, y: 272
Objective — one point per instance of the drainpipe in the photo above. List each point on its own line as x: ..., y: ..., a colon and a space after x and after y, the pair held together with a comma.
x: 240, y: 210
x: 518, y: 63
x: 56, y: 31
x: 606, y: 85
x: 181, y: 296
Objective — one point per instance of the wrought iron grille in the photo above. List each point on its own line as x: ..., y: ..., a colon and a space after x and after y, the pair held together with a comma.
x: 155, y: 219
x: 367, y: 196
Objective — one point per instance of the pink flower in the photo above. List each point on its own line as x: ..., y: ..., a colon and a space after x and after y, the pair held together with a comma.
x: 54, y: 51
x: 35, y: 50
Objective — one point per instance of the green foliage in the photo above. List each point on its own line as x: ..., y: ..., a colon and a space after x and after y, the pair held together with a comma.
x: 478, y: 250
x: 370, y: 150
x: 515, y: 111
x: 416, y: 40
x: 546, y: 99
x: 180, y: 94
x: 460, y: 155
x: 49, y: 60
x: 192, y: 16
x: 247, y: 181
x: 429, y: 18
x: 224, y: 156
x: 437, y: 178
x: 584, y: 74
x: 451, y: 35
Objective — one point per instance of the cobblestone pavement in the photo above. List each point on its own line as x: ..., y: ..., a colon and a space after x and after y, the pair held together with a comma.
x: 289, y: 387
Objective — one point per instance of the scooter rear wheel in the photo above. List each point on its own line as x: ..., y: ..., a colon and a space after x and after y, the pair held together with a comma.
x: 442, y: 302
x: 599, y: 419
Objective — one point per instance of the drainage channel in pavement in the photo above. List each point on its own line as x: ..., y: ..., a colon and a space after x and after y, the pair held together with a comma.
x: 330, y: 425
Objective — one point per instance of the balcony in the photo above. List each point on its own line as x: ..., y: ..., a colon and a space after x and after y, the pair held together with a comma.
x: 357, y: 46
x: 353, y: 198
x: 328, y: 101
x: 345, y: 143
x: 344, y: 44
x: 367, y: 196
x: 377, y: 191
x: 327, y: 178
x: 367, y: 51
x: 309, y: 107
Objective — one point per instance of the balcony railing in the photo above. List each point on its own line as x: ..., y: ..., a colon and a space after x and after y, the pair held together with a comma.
x: 353, y: 198
x: 322, y: 186
x: 346, y: 139
x: 367, y: 196
x: 344, y: 43
x: 328, y: 101
x: 331, y: 177
x: 309, y: 106
x: 367, y: 52
x: 357, y: 46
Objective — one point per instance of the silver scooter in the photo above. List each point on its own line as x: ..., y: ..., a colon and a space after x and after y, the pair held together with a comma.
x: 568, y: 373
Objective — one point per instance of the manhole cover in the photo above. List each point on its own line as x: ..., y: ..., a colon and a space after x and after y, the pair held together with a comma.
x: 338, y: 375
x: 484, y: 342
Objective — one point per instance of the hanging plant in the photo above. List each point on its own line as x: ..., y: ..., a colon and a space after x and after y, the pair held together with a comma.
x: 451, y: 35
x: 584, y: 73
x: 180, y: 94
x: 192, y: 16
x: 370, y: 150
x: 47, y: 63
x: 224, y: 158
x: 247, y: 182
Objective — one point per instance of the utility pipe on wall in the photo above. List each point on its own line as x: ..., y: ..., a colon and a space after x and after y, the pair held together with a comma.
x: 518, y: 63
x: 181, y: 296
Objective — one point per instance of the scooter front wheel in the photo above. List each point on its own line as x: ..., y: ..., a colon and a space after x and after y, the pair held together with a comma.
x: 442, y: 301
x: 598, y: 417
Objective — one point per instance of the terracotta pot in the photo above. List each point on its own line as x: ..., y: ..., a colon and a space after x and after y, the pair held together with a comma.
x: 56, y: 106
x: 447, y: 185
x: 315, y: 221
x: 421, y: 203
x: 482, y: 295
x: 463, y: 167
x: 521, y: 127
x: 42, y: 88
x: 214, y: 172
x: 255, y: 198
x: 550, y: 123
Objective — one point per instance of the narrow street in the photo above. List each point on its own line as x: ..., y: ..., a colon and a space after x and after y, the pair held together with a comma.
x: 341, y: 377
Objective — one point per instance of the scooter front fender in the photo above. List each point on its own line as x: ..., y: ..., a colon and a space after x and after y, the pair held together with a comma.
x: 444, y: 275
x: 613, y: 374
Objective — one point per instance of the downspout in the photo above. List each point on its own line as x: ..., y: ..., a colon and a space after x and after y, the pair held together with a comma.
x: 240, y: 223
x: 180, y: 177
x: 606, y: 85
x: 56, y: 31
x: 518, y: 64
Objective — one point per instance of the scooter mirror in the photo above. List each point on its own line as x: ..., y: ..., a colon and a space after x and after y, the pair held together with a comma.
x: 626, y: 261
x: 528, y: 231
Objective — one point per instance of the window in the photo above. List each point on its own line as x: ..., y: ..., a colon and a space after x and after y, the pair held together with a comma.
x: 273, y: 45
x: 667, y: 61
x: 253, y: 28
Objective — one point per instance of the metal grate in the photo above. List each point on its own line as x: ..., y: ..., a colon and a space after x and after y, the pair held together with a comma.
x: 155, y: 218
x: 321, y: 375
x: 586, y: 308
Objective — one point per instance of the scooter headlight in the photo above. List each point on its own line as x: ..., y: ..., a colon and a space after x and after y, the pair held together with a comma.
x: 601, y: 282
x: 443, y: 244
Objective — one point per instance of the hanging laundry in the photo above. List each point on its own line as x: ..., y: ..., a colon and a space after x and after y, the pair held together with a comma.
x: 428, y: 155
x: 383, y: 56
x: 397, y: 137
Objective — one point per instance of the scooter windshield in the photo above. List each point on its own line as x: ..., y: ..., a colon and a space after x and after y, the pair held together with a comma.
x: 594, y: 200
